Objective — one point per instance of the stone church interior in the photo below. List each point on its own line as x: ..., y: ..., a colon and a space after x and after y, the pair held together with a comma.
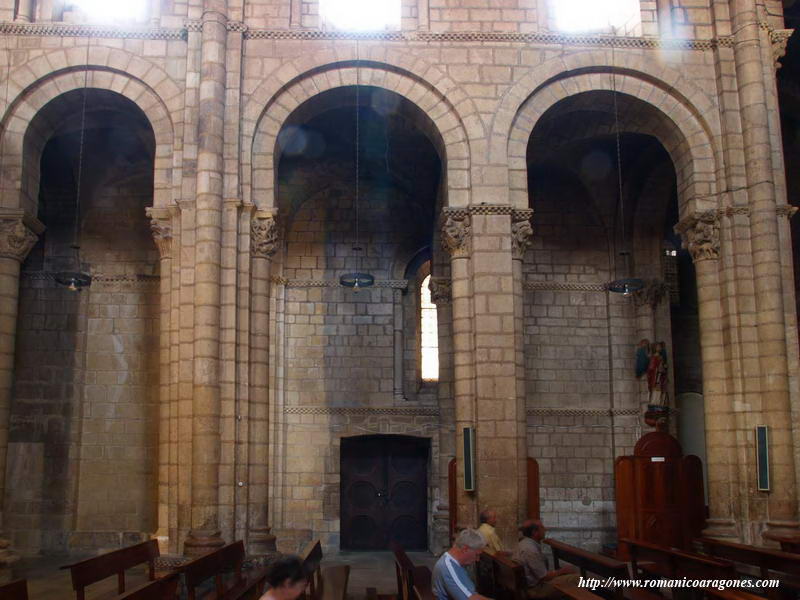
x: 352, y: 279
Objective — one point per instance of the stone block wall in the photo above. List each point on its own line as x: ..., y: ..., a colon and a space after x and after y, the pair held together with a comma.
x: 306, y: 490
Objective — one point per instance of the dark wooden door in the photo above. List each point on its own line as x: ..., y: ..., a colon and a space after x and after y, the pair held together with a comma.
x: 384, y: 492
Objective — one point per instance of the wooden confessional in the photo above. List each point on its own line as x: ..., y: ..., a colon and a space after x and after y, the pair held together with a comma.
x: 659, y: 494
x: 452, y: 492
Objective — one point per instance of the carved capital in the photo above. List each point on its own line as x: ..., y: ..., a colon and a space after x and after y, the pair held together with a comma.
x: 441, y: 290
x: 653, y: 292
x: 700, y: 235
x: 16, y: 238
x: 456, y: 232
x: 787, y: 210
x: 521, y: 233
x: 263, y: 235
x: 779, y: 39
x: 161, y: 228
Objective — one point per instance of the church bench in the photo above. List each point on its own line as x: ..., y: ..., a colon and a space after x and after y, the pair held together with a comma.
x: 500, y: 577
x: 16, y: 590
x: 650, y: 560
x: 730, y: 594
x: 509, y: 579
x: 311, y: 556
x: 404, y: 571
x: 576, y: 593
x: 218, y: 564
x: 97, y: 568
x: 597, y: 564
x: 165, y: 588
x: 422, y: 588
x: 768, y: 563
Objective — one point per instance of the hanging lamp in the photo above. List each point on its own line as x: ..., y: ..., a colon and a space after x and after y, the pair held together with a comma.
x: 77, y: 279
x: 357, y: 279
x: 626, y: 285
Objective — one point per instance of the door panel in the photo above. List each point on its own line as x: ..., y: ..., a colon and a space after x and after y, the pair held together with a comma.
x: 384, y: 484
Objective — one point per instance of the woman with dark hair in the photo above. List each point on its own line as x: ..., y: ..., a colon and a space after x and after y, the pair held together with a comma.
x: 286, y: 579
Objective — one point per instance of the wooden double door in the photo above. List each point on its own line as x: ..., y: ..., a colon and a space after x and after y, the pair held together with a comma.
x: 384, y: 492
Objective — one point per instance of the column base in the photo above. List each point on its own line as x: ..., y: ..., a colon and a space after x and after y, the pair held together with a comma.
x: 201, y: 542
x: 725, y: 529
x: 775, y: 530
x: 7, y: 558
x: 261, y: 542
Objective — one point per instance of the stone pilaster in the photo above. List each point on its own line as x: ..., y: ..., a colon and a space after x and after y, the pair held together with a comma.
x: 161, y: 228
x: 18, y: 235
x: 263, y: 245
x: 483, y: 241
x: 701, y: 237
x: 456, y: 238
x: 521, y: 239
x: 205, y: 532
x: 770, y: 405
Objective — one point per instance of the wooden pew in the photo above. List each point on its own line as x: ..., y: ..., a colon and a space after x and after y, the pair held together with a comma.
x: 599, y: 565
x: 769, y: 563
x: 671, y: 563
x: 509, y: 579
x: 165, y: 588
x: 217, y: 564
x: 16, y: 590
x: 312, y: 557
x: 730, y: 594
x: 576, y: 593
x: 422, y: 588
x: 97, y: 568
x: 589, y: 562
x: 404, y: 570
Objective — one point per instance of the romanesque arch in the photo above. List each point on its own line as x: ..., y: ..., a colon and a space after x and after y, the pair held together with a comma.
x: 21, y: 145
x: 257, y: 162
x: 681, y: 127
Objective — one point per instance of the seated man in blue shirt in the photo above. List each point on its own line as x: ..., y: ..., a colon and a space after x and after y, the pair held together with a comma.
x: 450, y: 578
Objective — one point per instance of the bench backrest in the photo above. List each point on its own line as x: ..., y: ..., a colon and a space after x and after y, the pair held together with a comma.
x: 645, y: 551
x: 97, y: 568
x: 216, y: 564
x: 766, y: 559
x: 587, y: 562
x: 16, y: 590
x: 695, y: 566
x: 165, y: 588
x: 404, y: 570
x: 509, y: 579
x: 312, y: 557
x: 484, y: 571
x: 422, y: 589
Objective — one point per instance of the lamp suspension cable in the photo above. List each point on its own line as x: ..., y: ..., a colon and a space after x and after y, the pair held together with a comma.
x: 77, y: 279
x: 357, y: 279
x: 627, y: 285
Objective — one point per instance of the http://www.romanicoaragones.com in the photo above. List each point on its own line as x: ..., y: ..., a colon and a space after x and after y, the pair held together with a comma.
x: 719, y: 584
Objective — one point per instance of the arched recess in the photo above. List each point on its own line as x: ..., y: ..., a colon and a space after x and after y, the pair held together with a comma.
x: 95, y: 445
x: 257, y: 163
x: 22, y: 144
x: 660, y: 114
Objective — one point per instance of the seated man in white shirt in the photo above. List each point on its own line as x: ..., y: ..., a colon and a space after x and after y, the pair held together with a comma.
x: 529, y: 554
x: 450, y: 579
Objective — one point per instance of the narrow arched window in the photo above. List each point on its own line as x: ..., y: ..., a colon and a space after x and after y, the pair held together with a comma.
x: 430, y: 333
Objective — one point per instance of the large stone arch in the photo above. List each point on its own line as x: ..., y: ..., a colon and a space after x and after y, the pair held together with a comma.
x: 19, y: 180
x: 683, y: 130
x: 265, y: 114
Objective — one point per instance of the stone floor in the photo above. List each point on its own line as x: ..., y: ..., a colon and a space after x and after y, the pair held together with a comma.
x: 46, y: 581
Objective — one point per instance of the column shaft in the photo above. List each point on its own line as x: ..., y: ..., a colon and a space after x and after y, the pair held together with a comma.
x: 205, y: 533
